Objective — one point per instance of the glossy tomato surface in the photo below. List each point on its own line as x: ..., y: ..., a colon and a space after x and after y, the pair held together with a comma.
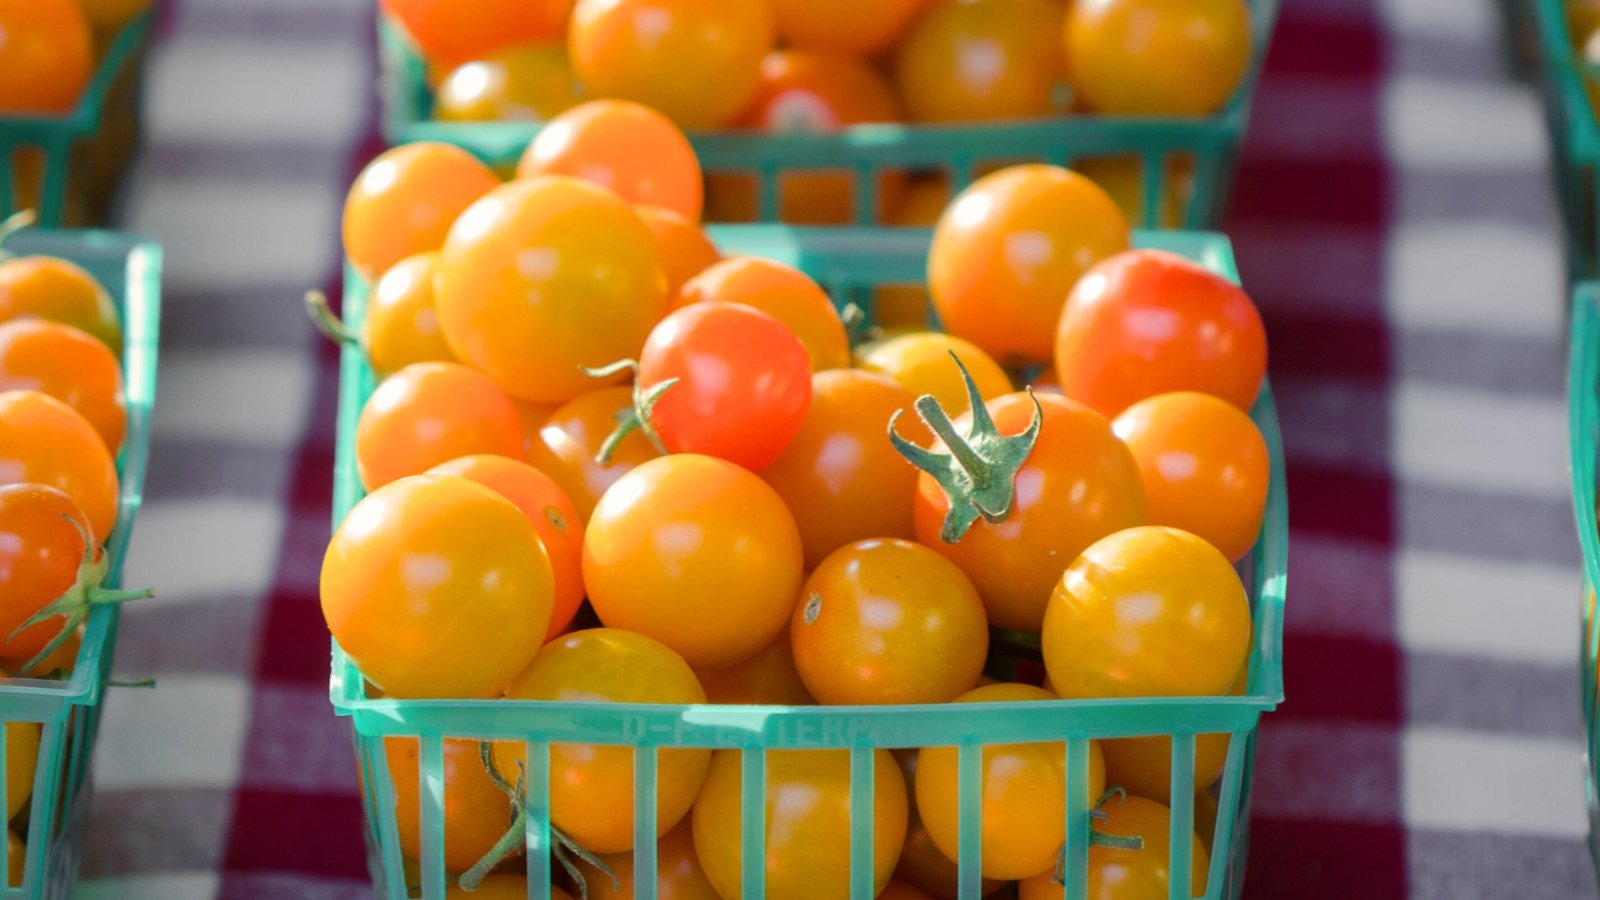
x: 982, y: 59
x: 781, y: 291
x: 44, y: 441
x: 404, y: 201
x: 69, y: 365
x: 429, y: 413
x: 570, y: 440
x: 626, y: 147
x: 402, y: 324
x: 1157, y: 57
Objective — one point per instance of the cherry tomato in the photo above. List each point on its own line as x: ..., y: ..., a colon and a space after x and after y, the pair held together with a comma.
x: 552, y: 515
x: 402, y: 324
x: 626, y: 147
x: 58, y: 664
x: 17, y: 861
x: 1147, y: 322
x: 437, y: 587
x: 1024, y: 805
x: 22, y: 759
x: 107, y: 17
x: 888, y: 621
x: 1157, y: 57
x: 980, y: 60
x: 899, y: 890
x: 43, y: 287
x: 533, y: 416
x: 697, y: 553
x: 743, y: 383
x: 429, y: 413
x: 47, y: 53
x: 44, y: 441
x: 925, y: 867
x: 769, y: 678
x: 591, y: 787
x: 1117, y: 874
x: 69, y: 365
x: 543, y: 277
x: 1204, y: 464
x: 1147, y: 612
x: 1007, y: 252
x: 1143, y: 765
x: 863, y: 29
x: 840, y: 477
x: 1078, y: 485
x: 822, y: 92
x: 678, y: 872
x: 685, y: 249
x: 42, y: 555
x: 1123, y: 178
x: 698, y: 61
x: 500, y: 887
x: 454, y: 31
x: 476, y: 812
x: 783, y: 292
x: 403, y: 202
x: 526, y: 83
x: 808, y: 822
x: 921, y: 363
x: 570, y: 439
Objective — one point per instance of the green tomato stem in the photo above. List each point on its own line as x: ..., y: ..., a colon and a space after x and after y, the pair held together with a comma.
x: 329, y: 324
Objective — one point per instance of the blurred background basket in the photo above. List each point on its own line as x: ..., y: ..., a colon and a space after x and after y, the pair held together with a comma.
x: 69, y: 709
x: 67, y: 168
x: 849, y: 262
x: 1203, y: 149
x: 1569, y: 85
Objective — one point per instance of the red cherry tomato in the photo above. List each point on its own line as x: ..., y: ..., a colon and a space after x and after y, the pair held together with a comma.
x: 780, y: 291
x: 1147, y: 322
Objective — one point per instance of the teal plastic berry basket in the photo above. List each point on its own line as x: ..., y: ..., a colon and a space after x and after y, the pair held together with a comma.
x: 1211, y: 143
x: 68, y: 710
x: 1583, y: 416
x: 847, y: 261
x: 1565, y: 82
x: 76, y: 159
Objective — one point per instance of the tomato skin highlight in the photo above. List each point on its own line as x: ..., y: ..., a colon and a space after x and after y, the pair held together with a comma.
x: 403, y: 202
x: 429, y: 413
x: 1156, y: 57
x: 69, y: 365
x: 697, y: 553
x: 980, y: 60
x: 744, y: 383
x: 437, y: 587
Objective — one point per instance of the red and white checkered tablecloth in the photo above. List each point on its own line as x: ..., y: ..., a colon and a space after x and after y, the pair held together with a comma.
x: 1393, y: 220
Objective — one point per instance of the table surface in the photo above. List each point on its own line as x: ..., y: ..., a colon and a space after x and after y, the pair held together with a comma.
x: 1394, y: 222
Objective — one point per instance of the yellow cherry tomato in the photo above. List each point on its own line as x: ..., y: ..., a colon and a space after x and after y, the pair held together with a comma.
x: 1157, y: 57
x: 402, y: 325
x: 1118, y: 874
x: 678, y: 873
x: 531, y: 82
x: 863, y: 29
x: 57, y: 290
x: 403, y: 202
x: 570, y: 440
x: 768, y: 678
x: 685, y: 249
x: 921, y: 363
x: 982, y: 59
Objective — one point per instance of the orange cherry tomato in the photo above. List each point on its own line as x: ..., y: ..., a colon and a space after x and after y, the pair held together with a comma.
x: 454, y: 31
x: 1143, y: 765
x: 17, y: 861
x: 1024, y: 799
x: 44, y: 441
x: 22, y: 759
x: 1148, y: 322
x: 982, y: 59
x: 697, y: 553
x: 553, y: 517
x: 921, y: 363
x: 1007, y: 252
x: 476, y: 812
x: 570, y: 440
x: 697, y: 61
x: 43, y: 287
x: 437, y: 587
x: 1118, y: 874
x: 1157, y: 57
x: 685, y: 249
x: 629, y: 148
x: 768, y: 678
x: 47, y: 53
x: 591, y: 787
x: 841, y: 477
x: 69, y: 365
x: 1204, y: 464
x: 888, y: 621
x: 402, y: 324
x: 864, y: 29
x: 822, y: 92
x: 58, y: 664
x: 741, y: 383
x: 42, y: 553
x: 1123, y: 178
x: 678, y: 872
x: 429, y: 413
x: 499, y: 887
x: 808, y: 822
x: 1146, y: 612
x: 899, y: 890
x: 1078, y: 485
x: 526, y: 83
x: 533, y: 416
x: 404, y: 201
x: 922, y: 864
x: 543, y: 277
x: 783, y: 292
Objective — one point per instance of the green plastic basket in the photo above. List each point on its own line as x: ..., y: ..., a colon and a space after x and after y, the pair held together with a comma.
x: 847, y: 261
x: 69, y: 710
x: 1574, y: 137
x: 1583, y: 416
x: 1212, y: 142
x: 81, y: 156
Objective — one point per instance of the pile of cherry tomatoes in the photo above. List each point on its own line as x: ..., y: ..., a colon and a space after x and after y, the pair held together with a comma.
x: 607, y: 464
x: 819, y: 66
x: 61, y: 426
